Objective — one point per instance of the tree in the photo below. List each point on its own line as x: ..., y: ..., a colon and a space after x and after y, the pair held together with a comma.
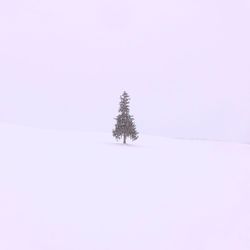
x: 125, y: 126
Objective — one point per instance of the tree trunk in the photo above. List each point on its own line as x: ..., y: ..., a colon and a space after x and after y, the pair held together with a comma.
x: 124, y: 139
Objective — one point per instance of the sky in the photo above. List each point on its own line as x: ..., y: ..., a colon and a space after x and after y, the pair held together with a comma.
x: 185, y: 64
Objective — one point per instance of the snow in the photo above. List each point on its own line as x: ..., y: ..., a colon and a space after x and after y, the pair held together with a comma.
x: 72, y: 190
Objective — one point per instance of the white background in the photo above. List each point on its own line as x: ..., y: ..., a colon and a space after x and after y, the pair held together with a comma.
x: 63, y: 64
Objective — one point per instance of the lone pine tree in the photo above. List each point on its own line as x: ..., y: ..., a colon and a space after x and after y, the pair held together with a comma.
x: 125, y: 126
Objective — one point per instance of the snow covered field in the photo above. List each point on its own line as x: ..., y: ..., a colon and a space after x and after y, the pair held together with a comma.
x: 64, y: 190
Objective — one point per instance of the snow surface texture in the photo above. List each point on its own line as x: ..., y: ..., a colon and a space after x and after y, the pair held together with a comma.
x: 63, y: 190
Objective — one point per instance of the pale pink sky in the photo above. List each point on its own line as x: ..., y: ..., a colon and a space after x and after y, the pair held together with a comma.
x: 185, y: 63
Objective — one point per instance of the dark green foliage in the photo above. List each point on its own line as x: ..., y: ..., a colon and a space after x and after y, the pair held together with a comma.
x: 125, y: 126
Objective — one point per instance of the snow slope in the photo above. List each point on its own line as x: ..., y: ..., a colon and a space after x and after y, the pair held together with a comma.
x: 66, y: 190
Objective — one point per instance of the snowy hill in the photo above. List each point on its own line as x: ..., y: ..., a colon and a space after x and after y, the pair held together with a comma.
x: 65, y: 190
